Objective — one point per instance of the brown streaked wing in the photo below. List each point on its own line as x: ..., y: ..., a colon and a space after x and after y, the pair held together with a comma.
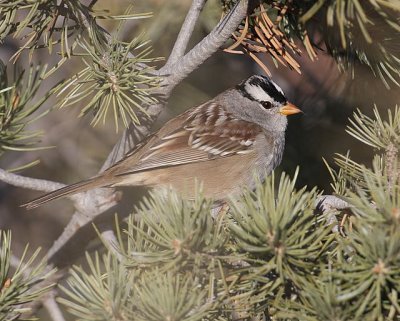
x: 214, y: 130
x: 205, y: 133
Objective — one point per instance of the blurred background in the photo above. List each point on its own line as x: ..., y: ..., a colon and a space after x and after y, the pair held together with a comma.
x: 327, y: 97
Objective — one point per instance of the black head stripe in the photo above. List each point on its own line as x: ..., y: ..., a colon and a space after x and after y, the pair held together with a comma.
x: 267, y: 85
x: 243, y: 91
x: 263, y: 90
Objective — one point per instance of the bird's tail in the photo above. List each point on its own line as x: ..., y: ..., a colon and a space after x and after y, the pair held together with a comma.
x: 79, y: 187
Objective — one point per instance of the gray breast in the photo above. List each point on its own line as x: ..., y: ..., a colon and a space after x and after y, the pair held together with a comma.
x: 279, y: 146
x: 269, y: 149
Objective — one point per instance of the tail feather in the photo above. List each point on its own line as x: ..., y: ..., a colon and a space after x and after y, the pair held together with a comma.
x: 79, y: 187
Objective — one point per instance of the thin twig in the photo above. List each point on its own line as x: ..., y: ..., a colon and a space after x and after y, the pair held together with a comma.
x: 76, y: 222
x: 28, y: 182
x: 52, y: 308
x: 90, y: 205
x: 186, y: 32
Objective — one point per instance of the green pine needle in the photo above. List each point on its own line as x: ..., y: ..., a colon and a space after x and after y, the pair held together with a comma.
x: 18, y: 108
x: 47, y: 23
x: 112, y: 83
x: 377, y: 133
x: 172, y: 297
x: 22, y: 285
x: 106, y: 292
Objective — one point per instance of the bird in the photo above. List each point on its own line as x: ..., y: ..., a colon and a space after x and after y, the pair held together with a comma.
x: 225, y: 144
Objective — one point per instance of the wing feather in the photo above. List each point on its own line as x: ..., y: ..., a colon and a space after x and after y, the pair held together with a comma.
x: 206, y: 133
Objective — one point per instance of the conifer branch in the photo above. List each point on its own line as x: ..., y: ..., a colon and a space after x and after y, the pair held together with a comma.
x: 23, y: 285
x: 28, y: 182
x: 186, y: 31
x: 273, y: 257
x: 99, y: 203
x: 175, y: 73
x: 205, y: 48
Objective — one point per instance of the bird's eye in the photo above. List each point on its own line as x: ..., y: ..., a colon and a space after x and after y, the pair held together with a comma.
x: 267, y: 104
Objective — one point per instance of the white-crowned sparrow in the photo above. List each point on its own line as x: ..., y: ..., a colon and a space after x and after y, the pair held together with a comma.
x: 222, y: 144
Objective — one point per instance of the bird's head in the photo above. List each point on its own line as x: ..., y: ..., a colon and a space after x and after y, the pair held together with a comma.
x: 270, y: 98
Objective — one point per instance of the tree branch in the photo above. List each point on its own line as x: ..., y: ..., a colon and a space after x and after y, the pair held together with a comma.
x: 89, y: 206
x: 205, y: 48
x: 186, y: 32
x: 175, y: 73
x: 86, y: 203
x: 52, y: 308
x: 28, y: 182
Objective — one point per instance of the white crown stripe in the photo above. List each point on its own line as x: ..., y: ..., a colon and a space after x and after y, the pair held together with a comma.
x: 258, y: 93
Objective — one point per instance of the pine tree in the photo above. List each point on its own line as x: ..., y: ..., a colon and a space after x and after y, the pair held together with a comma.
x: 278, y: 252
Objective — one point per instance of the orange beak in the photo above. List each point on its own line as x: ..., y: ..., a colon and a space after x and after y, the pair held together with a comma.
x: 289, y: 109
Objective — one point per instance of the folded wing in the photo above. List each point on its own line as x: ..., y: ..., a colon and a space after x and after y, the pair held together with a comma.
x: 206, y: 133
